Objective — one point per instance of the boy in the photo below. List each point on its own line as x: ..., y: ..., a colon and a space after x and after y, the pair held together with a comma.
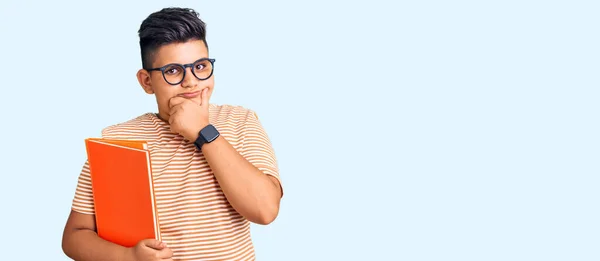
x: 213, y: 165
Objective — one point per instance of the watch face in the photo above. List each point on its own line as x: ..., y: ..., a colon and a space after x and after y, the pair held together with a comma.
x: 209, y: 133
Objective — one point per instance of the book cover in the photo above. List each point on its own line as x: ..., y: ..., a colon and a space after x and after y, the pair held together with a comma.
x: 123, y: 190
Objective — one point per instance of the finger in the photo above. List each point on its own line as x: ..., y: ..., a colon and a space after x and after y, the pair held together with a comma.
x: 176, y: 101
x: 204, y: 97
x: 154, y: 244
x: 172, y: 115
x: 173, y: 110
x: 165, y: 253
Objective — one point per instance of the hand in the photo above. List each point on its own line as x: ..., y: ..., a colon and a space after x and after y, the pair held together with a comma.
x: 149, y: 250
x: 186, y: 117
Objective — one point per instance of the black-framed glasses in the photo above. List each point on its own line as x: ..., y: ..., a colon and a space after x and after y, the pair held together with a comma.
x: 174, y: 73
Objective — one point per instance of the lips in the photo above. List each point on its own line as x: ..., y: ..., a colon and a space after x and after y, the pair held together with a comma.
x: 190, y: 94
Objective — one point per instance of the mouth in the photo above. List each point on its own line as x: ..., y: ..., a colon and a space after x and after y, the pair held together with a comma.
x: 190, y: 94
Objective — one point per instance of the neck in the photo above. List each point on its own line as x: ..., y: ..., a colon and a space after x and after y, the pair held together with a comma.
x: 161, y: 118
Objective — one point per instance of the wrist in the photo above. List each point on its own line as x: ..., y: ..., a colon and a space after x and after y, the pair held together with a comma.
x: 206, y: 135
x: 193, y: 135
x: 127, y: 254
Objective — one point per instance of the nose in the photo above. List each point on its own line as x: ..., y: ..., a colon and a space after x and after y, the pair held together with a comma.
x: 189, y: 79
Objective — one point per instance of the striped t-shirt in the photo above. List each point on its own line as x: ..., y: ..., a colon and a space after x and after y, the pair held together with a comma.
x: 196, y: 220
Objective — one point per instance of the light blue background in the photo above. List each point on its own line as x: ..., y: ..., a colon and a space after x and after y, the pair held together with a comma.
x: 407, y: 130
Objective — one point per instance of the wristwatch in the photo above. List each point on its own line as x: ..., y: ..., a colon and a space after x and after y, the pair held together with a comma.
x: 207, y: 135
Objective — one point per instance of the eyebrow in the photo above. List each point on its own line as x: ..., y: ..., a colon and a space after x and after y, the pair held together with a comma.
x: 201, y: 58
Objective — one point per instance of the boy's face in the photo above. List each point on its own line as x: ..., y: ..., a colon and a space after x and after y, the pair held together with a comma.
x: 190, y: 87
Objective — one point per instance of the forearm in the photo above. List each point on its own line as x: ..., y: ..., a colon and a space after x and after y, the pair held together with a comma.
x: 250, y: 192
x: 86, y: 245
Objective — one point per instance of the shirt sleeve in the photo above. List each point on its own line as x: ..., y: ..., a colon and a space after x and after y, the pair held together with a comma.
x: 257, y: 147
x: 83, y: 202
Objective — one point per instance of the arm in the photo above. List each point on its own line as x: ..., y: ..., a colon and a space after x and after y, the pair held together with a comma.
x: 80, y: 241
x: 250, y: 192
x: 249, y: 179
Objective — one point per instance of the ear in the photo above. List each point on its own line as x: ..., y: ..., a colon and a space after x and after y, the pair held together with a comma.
x: 145, y: 81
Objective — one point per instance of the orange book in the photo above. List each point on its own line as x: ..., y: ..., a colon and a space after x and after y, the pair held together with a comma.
x: 123, y: 189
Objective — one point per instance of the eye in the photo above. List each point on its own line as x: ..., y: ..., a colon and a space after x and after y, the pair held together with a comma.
x: 202, y: 65
x: 172, y: 70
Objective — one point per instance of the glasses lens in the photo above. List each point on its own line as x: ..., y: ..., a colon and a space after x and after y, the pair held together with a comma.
x: 203, y: 69
x: 173, y: 74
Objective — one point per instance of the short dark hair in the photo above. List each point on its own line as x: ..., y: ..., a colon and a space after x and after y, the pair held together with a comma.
x: 169, y: 25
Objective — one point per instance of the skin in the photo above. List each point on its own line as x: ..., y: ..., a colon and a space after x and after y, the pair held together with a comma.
x: 250, y: 192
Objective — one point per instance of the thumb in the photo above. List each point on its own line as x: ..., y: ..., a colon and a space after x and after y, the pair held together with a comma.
x: 204, y: 97
x: 155, y: 244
